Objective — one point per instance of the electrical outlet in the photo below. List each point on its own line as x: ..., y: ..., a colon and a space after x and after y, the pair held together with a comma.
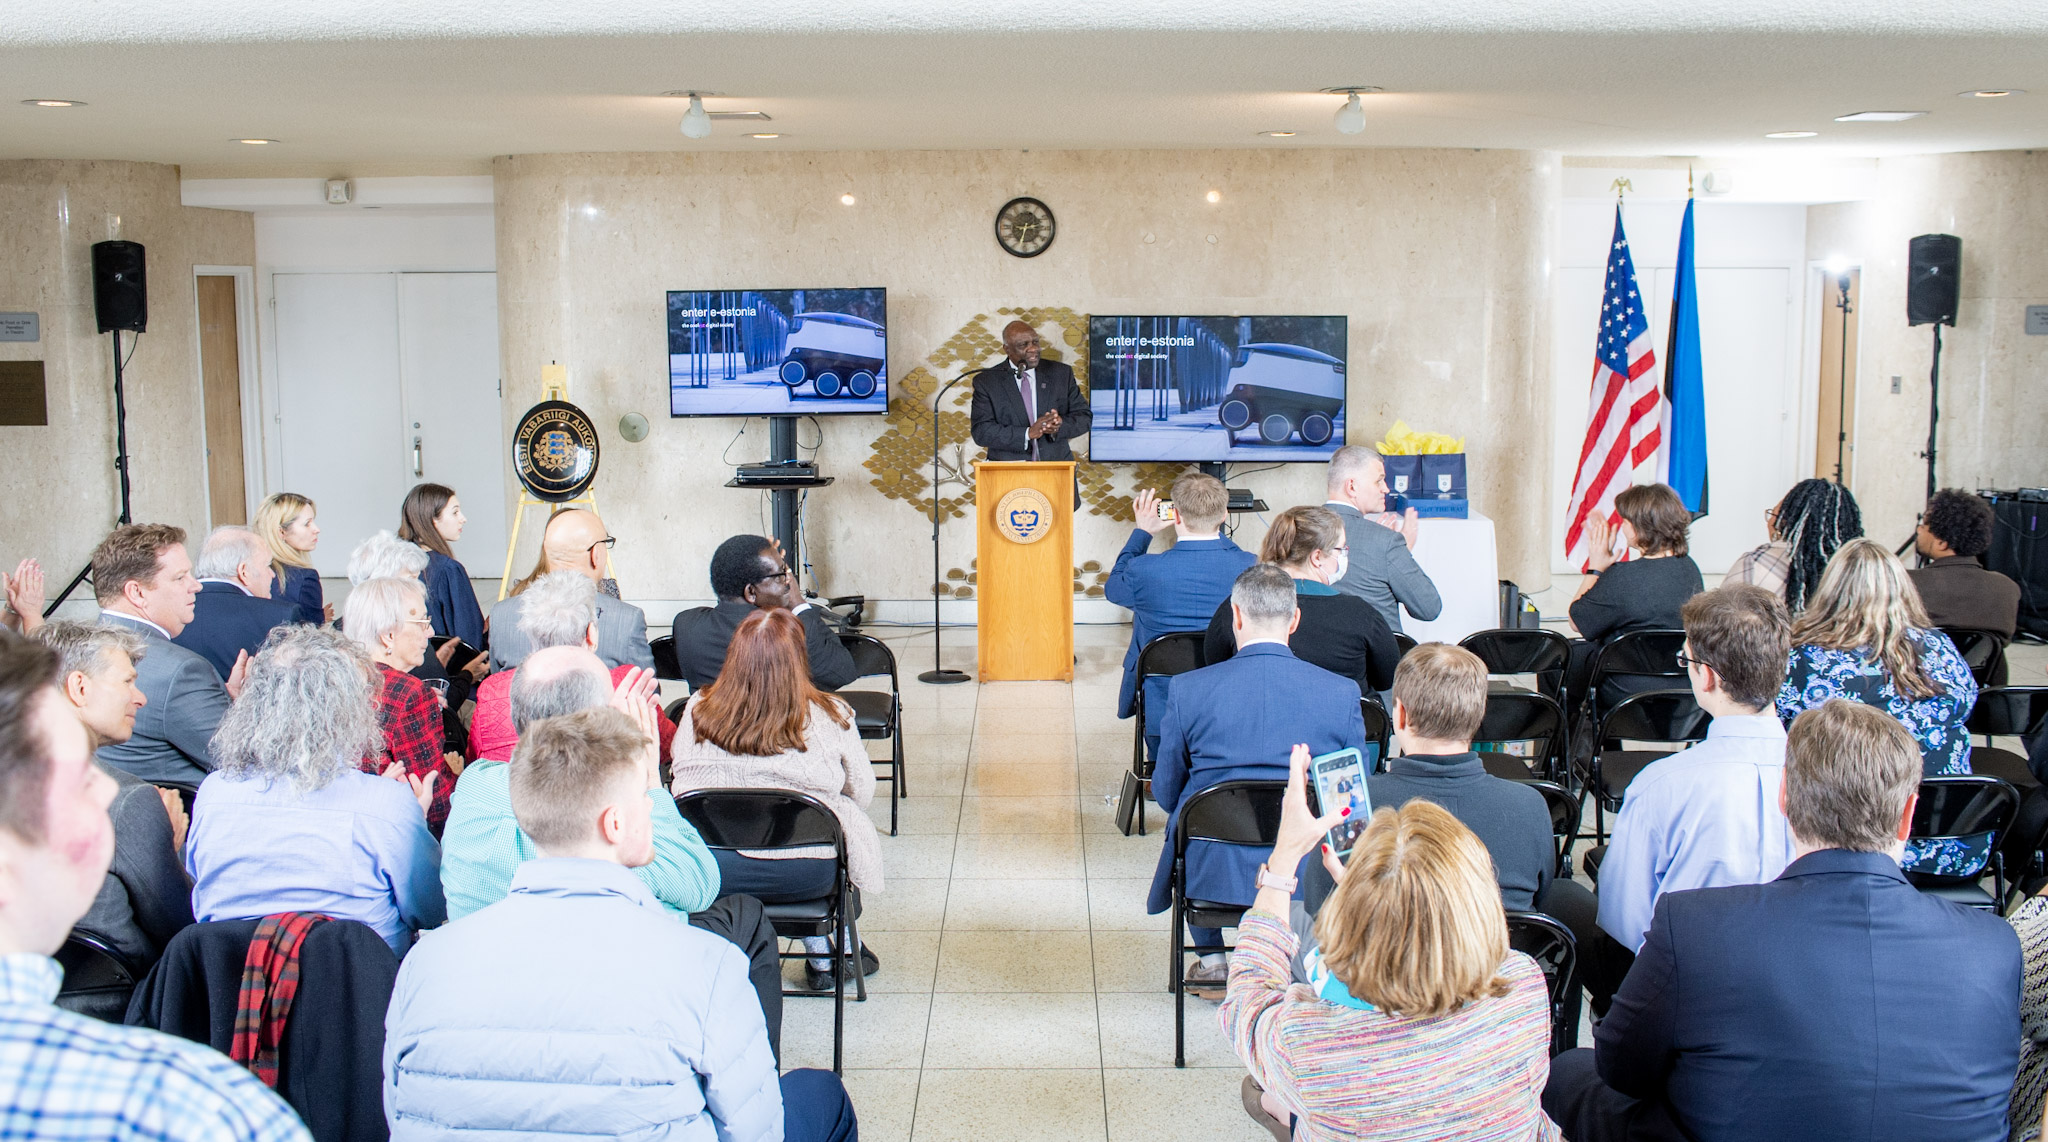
x: 1895, y: 382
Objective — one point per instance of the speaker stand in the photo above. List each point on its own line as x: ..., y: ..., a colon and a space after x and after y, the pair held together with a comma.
x: 1933, y: 429
x: 120, y: 467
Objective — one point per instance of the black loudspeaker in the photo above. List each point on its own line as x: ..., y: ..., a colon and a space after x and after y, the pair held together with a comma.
x: 2019, y: 551
x: 1934, y: 267
x: 120, y: 293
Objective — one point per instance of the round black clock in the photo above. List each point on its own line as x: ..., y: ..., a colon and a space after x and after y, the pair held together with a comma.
x: 1024, y: 227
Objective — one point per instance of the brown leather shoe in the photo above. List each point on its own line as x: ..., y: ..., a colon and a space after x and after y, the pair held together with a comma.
x: 1251, y: 1093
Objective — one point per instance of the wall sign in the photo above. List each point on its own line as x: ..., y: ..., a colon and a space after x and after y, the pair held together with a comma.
x: 20, y: 327
x: 2037, y: 319
x: 22, y: 398
x: 554, y: 451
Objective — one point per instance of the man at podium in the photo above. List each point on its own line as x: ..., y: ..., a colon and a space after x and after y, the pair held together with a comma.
x: 1024, y: 408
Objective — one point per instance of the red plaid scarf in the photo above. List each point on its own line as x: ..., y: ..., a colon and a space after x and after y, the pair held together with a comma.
x: 270, y: 981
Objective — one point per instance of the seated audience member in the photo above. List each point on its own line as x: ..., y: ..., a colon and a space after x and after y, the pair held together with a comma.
x: 1955, y: 529
x: 1834, y: 1001
x: 762, y: 725
x: 1179, y: 588
x: 1864, y: 637
x: 432, y: 518
x: 1806, y: 527
x: 559, y: 609
x: 144, y: 583
x: 1645, y: 593
x: 575, y: 541
x: 1381, y: 569
x: 748, y: 572
x: 69, y: 1076
x: 1418, y: 1021
x: 286, y: 523
x: 233, y: 612
x: 1704, y: 817
x: 483, y: 846
x: 1239, y: 720
x: 289, y: 824
x: 388, y: 619
x: 576, y: 1005
x: 385, y: 556
x: 24, y: 597
x: 145, y: 899
x: 1341, y: 633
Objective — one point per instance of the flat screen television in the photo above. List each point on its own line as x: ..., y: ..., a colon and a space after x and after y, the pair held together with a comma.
x: 1216, y: 388
x: 778, y: 352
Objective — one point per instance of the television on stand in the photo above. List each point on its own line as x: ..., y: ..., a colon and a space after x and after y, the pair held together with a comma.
x: 778, y: 352
x: 1216, y: 389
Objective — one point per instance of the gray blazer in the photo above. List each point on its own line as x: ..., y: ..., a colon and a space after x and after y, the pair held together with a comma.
x: 1383, y: 571
x: 621, y: 635
x: 173, y: 740
x: 146, y: 898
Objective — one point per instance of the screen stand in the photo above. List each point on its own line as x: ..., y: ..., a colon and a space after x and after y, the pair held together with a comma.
x: 1212, y: 468
x: 782, y: 450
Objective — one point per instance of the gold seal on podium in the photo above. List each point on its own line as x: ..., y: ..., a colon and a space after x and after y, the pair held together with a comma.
x: 1024, y: 515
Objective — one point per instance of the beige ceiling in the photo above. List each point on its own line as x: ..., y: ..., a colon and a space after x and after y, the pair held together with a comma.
x: 362, y: 84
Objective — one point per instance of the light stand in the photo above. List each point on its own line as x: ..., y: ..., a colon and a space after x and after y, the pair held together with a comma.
x: 938, y: 675
x: 1842, y: 398
x: 120, y: 467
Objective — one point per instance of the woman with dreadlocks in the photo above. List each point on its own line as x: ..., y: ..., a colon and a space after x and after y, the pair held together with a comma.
x: 1807, y: 527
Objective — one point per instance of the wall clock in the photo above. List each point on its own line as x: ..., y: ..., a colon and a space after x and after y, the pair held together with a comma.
x: 1024, y: 227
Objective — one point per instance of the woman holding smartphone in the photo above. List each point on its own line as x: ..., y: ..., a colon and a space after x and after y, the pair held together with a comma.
x: 1424, y: 1023
x: 432, y: 519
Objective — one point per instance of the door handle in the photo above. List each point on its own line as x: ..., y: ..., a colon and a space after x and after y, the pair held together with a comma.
x: 418, y: 468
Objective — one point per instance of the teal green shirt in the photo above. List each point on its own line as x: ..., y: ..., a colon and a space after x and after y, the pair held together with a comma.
x: 481, y: 846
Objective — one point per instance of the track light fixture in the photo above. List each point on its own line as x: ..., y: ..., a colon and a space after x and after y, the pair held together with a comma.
x: 1351, y: 116
x: 696, y: 123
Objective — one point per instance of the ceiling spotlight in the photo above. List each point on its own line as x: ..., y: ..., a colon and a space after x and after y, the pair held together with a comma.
x: 1992, y: 93
x: 1879, y: 116
x: 696, y: 124
x: 846, y: 200
x: 765, y: 135
x: 54, y: 102
x: 1351, y: 117
x: 254, y: 142
x: 1214, y: 196
x: 1277, y: 134
x: 1791, y: 134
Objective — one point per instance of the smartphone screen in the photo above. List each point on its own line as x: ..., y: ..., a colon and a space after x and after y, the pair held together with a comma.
x: 1340, y: 780
x: 1167, y: 514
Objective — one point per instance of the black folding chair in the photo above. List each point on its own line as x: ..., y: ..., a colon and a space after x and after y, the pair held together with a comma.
x: 1965, y: 807
x: 1522, y: 716
x: 1379, y: 726
x: 666, y: 665
x: 1633, y: 663
x: 2007, y: 711
x: 878, y: 716
x: 1235, y: 813
x: 1405, y: 643
x: 785, y: 819
x: 1551, y: 945
x: 1163, y: 657
x: 2026, y: 844
x: 1564, y: 820
x: 1664, y: 717
x: 98, y: 980
x: 1543, y: 653
x: 1983, y: 652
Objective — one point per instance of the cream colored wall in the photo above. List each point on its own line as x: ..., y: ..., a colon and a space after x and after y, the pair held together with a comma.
x: 61, y: 494
x: 1439, y: 258
x: 1994, y: 378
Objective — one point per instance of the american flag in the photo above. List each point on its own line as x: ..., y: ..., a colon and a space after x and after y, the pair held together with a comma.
x: 1622, y: 416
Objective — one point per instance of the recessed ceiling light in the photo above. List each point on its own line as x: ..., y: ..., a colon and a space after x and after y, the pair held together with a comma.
x: 54, y: 102
x: 846, y: 200
x: 254, y: 142
x: 1214, y: 196
x: 1991, y: 93
x: 1791, y: 134
x: 765, y: 135
x: 1277, y: 134
x: 1879, y: 116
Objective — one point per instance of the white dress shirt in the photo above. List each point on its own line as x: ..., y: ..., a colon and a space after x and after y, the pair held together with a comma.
x: 1702, y: 818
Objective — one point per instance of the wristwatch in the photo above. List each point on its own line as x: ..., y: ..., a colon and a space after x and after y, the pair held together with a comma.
x: 1267, y: 878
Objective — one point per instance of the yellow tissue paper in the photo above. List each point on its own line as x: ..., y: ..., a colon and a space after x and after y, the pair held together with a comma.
x: 1404, y: 441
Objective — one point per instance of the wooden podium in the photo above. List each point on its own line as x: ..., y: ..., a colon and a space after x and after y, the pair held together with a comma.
x: 1024, y: 540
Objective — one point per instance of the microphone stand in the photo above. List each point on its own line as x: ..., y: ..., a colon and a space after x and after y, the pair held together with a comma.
x: 938, y: 675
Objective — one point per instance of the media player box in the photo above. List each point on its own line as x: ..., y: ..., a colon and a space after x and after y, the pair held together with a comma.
x: 1432, y: 507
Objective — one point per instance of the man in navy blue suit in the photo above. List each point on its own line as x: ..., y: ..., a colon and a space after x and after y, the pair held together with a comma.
x: 234, y: 612
x: 1836, y: 1002
x: 1240, y: 720
x: 1177, y: 589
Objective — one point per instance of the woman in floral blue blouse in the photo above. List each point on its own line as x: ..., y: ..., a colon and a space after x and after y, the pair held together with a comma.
x: 1865, y: 637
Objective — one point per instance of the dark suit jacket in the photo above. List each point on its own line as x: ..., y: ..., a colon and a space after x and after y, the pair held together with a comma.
x: 1959, y: 592
x: 1340, y: 633
x: 146, y: 898
x: 227, y: 620
x: 174, y: 732
x: 300, y: 586
x: 998, y: 418
x: 1175, y: 590
x: 1834, y: 1002
x: 702, y: 635
x: 1239, y: 720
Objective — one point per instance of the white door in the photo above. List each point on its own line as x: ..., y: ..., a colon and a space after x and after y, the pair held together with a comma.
x: 448, y: 339
x: 367, y: 364
x: 340, y: 419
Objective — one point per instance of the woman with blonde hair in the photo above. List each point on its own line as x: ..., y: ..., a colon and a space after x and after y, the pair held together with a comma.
x: 1864, y: 636
x: 1341, y: 633
x: 1417, y: 1021
x: 288, y: 524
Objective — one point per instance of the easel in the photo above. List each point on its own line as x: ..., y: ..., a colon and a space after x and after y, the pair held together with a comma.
x: 554, y: 380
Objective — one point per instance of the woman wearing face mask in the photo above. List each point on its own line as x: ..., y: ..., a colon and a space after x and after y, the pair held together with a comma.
x: 1340, y: 633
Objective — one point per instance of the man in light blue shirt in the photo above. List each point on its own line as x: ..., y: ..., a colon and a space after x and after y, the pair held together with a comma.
x: 1708, y: 816
x: 578, y: 1006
